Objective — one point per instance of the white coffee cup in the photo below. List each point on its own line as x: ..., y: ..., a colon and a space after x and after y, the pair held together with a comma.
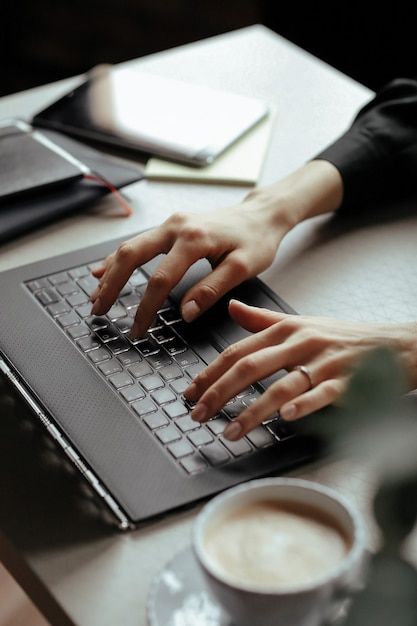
x: 306, y: 604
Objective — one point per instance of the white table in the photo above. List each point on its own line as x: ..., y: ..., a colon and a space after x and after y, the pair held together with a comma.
x: 365, y: 273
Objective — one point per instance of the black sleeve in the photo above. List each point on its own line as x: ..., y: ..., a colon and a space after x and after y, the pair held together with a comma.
x: 377, y: 156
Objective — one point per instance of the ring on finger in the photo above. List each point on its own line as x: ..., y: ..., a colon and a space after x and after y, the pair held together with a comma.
x: 307, y: 373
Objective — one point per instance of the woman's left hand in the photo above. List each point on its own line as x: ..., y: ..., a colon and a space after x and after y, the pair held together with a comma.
x: 327, y: 348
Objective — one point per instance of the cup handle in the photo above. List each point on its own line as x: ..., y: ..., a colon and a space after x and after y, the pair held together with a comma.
x: 344, y: 592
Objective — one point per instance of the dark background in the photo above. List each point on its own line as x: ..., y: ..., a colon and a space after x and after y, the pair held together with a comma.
x: 45, y: 40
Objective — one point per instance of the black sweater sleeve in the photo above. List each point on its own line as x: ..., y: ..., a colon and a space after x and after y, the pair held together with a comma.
x: 377, y: 156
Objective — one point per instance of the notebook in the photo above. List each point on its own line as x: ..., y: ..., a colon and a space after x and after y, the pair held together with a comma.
x: 241, y: 164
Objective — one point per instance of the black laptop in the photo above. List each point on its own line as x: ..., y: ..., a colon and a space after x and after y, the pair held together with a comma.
x: 114, y: 406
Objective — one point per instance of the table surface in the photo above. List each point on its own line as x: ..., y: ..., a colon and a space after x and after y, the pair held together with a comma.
x: 85, y: 574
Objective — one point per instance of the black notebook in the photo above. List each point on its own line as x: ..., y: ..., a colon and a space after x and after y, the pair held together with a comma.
x: 30, y: 162
x: 63, y: 189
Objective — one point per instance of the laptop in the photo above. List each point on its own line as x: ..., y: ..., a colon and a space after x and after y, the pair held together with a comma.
x: 114, y: 406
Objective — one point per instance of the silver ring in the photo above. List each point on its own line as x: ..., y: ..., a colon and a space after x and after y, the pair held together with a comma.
x: 307, y: 372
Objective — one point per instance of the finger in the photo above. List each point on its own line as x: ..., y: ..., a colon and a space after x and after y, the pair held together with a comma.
x: 283, y: 391
x: 271, y: 336
x: 130, y: 254
x: 253, y: 318
x: 160, y: 284
x: 246, y: 371
x: 229, y: 273
x: 99, y: 272
x: 325, y: 393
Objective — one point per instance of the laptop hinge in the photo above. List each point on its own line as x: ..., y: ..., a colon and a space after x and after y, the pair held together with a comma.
x: 122, y: 521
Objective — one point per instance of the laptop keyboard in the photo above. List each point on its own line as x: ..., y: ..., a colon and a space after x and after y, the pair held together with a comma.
x: 151, y: 374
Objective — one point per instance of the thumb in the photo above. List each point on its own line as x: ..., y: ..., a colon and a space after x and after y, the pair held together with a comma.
x: 253, y: 318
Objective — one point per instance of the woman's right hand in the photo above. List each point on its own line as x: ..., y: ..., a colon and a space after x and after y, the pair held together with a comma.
x: 239, y: 242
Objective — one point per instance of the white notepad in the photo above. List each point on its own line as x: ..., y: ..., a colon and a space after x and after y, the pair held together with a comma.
x: 241, y: 164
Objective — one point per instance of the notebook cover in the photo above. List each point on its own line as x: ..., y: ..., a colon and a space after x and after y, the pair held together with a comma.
x: 21, y: 215
x: 28, y: 166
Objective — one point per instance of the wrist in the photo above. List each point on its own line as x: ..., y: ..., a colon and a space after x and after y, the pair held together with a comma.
x: 313, y: 189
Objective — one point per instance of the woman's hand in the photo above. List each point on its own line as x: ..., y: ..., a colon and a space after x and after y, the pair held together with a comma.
x: 329, y: 348
x: 239, y: 242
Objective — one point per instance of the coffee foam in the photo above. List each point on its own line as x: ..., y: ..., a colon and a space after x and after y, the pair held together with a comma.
x: 274, y: 545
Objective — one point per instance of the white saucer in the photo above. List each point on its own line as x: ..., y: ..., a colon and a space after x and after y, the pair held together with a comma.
x: 178, y: 596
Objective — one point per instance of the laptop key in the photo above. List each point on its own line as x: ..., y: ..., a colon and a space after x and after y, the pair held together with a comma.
x: 138, y: 278
x: 155, y: 420
x: 175, y: 409
x: 214, y: 453
x: 170, y: 372
x: 179, y: 385
x: 168, y: 434
x: 218, y: 424
x: 80, y: 330
x: 234, y: 409
x: 237, y: 448
x: 58, y: 308
x: 77, y: 298
x: 148, y: 346
x: 281, y: 429
x: 129, y: 301
x: 79, y: 272
x: 200, y: 437
x: 68, y: 319
x: 118, y: 345
x: 162, y: 396
x: 143, y: 407
x: 88, y: 343
x: 180, y: 448
x: 109, y: 367
x: 129, y: 357
x: 194, y: 370
x: 151, y: 382
x: 40, y: 283
x: 88, y: 284
x: 96, y: 322
x: 140, y: 369
x: 158, y: 360
x: 116, y: 312
x: 106, y: 334
x: 260, y: 437
x: 132, y: 392
x: 61, y: 277
x: 99, y: 355
x: 66, y: 288
x: 47, y: 296
x: 124, y: 324
x: 193, y: 464
x: 186, y: 358
x: 176, y: 346
x: 170, y: 316
x: 186, y: 424
x: 121, y: 379
x: 163, y: 335
x: 84, y: 310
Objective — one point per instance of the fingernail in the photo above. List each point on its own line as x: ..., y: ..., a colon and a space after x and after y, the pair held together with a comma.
x: 96, y: 307
x: 288, y: 412
x: 190, y: 310
x: 190, y: 392
x: 232, y: 431
x: 199, y: 412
